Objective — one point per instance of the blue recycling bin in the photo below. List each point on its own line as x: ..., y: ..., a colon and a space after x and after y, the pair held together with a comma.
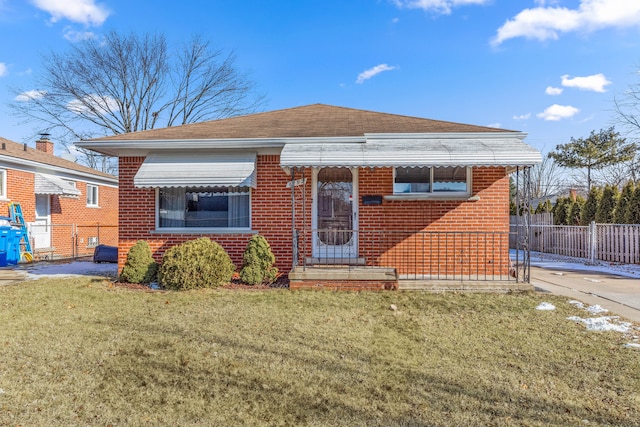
x: 5, y: 236
x: 13, y: 245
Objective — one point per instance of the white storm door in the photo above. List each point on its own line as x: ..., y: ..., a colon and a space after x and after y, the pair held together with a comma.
x: 41, y: 227
x: 335, y: 216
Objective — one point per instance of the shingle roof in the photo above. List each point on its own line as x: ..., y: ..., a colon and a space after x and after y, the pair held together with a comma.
x: 13, y: 149
x: 317, y: 120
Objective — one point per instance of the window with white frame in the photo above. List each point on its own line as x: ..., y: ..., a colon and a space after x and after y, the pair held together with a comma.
x: 208, y: 207
x: 92, y: 195
x: 3, y: 184
x: 432, y: 180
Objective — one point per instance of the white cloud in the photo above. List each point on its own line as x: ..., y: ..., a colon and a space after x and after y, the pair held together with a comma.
x: 495, y: 125
x: 553, y: 91
x: 86, y: 12
x: 522, y: 117
x: 371, y: 72
x: 30, y: 95
x: 558, y: 112
x: 76, y: 36
x: 439, y: 6
x: 4, y: 70
x: 91, y: 103
x: 543, y: 23
x: 596, y: 82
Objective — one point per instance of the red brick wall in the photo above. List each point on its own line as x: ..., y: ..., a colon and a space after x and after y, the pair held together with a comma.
x: 66, y: 211
x: 271, y: 217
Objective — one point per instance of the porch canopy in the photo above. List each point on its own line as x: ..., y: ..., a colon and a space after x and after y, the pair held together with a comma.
x: 413, y: 152
x: 50, y: 184
x: 162, y: 170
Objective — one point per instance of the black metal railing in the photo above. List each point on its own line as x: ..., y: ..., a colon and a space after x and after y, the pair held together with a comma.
x: 416, y: 255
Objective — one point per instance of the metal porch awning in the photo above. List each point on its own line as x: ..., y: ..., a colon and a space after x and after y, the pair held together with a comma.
x: 197, y: 170
x: 506, y: 152
x: 50, y: 184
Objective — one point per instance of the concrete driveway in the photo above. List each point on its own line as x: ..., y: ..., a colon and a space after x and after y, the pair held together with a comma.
x: 620, y: 295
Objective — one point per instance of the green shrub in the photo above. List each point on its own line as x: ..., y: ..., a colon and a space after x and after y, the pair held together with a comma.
x: 140, y: 266
x: 200, y: 263
x: 257, y: 262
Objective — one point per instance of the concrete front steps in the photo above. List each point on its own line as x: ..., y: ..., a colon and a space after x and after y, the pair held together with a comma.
x: 357, y: 278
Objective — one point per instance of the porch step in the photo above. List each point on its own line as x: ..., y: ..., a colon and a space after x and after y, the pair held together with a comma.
x: 343, y: 278
x: 466, y: 286
x: 8, y: 276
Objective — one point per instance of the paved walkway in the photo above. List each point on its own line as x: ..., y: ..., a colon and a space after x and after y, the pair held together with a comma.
x: 620, y: 295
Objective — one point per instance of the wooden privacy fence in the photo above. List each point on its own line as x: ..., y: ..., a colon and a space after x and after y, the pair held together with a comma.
x: 604, y: 242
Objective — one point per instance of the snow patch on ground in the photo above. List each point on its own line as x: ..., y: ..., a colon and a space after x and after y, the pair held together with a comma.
x: 41, y: 270
x: 561, y: 262
x: 544, y: 306
x: 603, y: 323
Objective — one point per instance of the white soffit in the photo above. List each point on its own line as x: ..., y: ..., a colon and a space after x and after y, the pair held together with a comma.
x: 412, y: 152
x: 49, y: 184
x: 197, y: 170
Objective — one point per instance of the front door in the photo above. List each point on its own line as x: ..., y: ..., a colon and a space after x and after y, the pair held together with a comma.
x: 335, y: 219
x: 41, y: 227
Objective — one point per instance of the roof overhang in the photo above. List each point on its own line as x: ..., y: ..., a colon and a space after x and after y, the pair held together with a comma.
x: 49, y: 184
x: 414, y: 151
x: 162, y: 170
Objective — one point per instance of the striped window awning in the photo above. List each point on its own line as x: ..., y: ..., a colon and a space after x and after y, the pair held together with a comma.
x: 426, y: 152
x: 197, y: 170
x: 50, y: 184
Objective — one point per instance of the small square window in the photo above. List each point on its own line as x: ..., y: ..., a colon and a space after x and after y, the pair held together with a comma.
x: 92, y: 195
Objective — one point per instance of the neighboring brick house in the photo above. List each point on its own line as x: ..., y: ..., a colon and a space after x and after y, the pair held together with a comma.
x: 327, y: 186
x: 69, y: 208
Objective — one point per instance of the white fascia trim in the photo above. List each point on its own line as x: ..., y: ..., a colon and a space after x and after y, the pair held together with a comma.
x: 141, y: 147
x: 36, y: 167
x: 447, y: 135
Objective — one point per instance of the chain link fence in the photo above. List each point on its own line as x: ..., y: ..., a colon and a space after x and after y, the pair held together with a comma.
x: 68, y: 241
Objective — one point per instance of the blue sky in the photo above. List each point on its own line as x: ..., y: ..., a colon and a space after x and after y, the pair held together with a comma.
x: 549, y: 68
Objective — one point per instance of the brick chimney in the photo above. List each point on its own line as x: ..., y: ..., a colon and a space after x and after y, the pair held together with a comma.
x: 44, y: 144
x: 573, y: 193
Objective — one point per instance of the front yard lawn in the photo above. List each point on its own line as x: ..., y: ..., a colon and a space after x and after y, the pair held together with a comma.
x: 83, y: 352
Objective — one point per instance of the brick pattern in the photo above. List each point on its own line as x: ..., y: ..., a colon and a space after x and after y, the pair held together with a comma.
x: 66, y: 211
x: 271, y: 216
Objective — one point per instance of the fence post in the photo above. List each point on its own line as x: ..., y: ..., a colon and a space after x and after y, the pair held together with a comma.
x: 593, y: 242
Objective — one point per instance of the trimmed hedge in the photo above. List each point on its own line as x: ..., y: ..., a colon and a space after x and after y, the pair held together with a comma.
x: 140, y: 266
x: 200, y: 263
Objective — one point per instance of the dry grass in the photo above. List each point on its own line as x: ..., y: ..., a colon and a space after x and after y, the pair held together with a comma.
x: 79, y: 352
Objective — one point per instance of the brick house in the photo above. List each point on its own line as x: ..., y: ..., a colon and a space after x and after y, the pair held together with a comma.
x: 64, y: 204
x: 358, y: 191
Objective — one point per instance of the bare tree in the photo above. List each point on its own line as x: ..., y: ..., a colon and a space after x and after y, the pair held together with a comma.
x: 546, y: 178
x: 129, y: 83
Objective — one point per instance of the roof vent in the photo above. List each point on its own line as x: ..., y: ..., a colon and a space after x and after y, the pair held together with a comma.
x: 25, y: 146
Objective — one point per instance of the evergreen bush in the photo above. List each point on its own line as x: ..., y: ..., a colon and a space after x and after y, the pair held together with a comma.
x: 560, y: 211
x: 607, y: 205
x: 624, y: 201
x: 632, y: 215
x: 195, y: 264
x: 575, y: 212
x: 591, y: 206
x: 257, y: 262
x: 140, y: 266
